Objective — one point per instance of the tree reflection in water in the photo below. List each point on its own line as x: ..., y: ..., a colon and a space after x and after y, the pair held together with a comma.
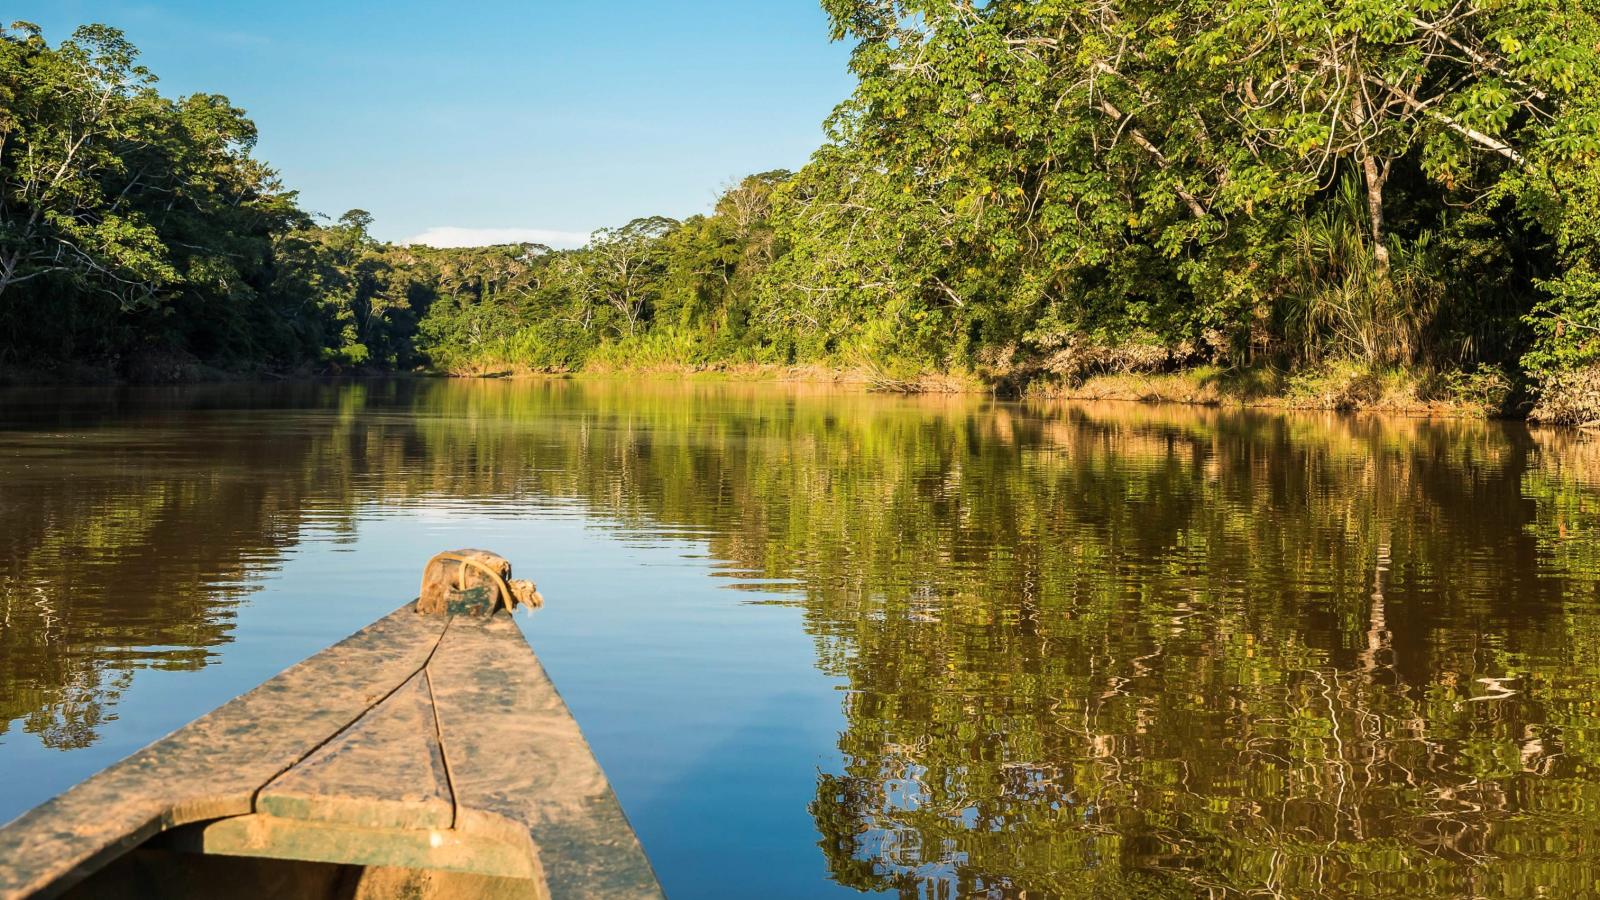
x: 1089, y: 649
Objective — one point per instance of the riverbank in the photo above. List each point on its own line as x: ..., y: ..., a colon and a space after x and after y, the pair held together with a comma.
x: 1485, y: 393
x: 152, y: 369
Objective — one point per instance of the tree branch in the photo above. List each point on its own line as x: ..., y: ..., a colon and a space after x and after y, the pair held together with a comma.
x: 1485, y: 141
x: 1478, y: 58
x: 1106, y: 106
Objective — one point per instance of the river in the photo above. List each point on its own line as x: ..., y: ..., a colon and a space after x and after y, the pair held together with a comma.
x: 826, y: 642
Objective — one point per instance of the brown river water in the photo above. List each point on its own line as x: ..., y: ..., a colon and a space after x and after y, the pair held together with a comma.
x: 828, y: 642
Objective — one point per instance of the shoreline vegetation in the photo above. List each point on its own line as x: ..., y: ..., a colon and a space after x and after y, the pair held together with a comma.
x: 1334, y: 388
x: 1208, y: 204
x: 1340, y: 389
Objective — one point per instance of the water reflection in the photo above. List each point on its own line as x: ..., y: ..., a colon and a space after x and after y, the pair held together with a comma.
x: 1089, y: 650
x: 1182, y: 650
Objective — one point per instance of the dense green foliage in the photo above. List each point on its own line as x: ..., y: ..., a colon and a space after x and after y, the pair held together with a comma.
x: 127, y: 217
x: 1015, y: 190
x: 1025, y: 189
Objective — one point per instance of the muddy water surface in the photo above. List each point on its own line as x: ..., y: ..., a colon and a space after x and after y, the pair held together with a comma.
x: 826, y: 642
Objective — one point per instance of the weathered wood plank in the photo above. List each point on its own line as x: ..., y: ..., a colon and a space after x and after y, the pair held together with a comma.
x: 385, y: 771
x: 519, y: 764
x: 313, y: 841
x: 214, y: 766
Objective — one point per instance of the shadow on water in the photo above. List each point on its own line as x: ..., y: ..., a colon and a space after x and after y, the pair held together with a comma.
x: 1088, y: 649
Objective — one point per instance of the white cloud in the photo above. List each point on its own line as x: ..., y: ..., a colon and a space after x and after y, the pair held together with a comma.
x: 450, y: 236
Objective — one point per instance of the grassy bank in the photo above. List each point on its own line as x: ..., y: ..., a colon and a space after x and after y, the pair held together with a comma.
x: 1483, y: 393
x: 1346, y: 387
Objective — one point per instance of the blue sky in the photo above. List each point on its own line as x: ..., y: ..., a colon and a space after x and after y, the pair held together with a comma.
x: 538, y: 116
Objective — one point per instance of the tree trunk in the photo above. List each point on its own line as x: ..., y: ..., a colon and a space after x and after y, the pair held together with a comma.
x: 8, y: 270
x: 1375, y: 180
x: 1374, y: 177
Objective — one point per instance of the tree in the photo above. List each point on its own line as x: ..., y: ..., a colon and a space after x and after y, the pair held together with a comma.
x: 623, y: 267
x: 1135, y: 171
x: 1015, y: 190
x: 69, y: 110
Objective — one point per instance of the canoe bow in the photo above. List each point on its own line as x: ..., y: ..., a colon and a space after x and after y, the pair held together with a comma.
x: 421, y: 741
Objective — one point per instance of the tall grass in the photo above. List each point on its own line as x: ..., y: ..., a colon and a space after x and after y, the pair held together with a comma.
x: 1342, y: 303
x: 676, y: 348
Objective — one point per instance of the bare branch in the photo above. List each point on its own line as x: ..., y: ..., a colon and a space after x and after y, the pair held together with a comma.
x: 1488, y: 142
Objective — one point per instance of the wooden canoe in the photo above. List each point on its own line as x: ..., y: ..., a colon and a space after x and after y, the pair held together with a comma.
x: 424, y: 756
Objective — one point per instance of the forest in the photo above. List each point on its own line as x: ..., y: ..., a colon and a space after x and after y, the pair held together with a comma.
x: 1018, y: 196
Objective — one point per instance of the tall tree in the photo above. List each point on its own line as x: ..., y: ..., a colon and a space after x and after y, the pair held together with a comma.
x: 70, y: 113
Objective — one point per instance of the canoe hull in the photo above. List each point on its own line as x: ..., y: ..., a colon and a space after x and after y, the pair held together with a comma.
x: 422, y: 743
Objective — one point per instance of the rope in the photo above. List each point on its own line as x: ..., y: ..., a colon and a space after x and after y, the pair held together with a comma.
x: 461, y: 575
